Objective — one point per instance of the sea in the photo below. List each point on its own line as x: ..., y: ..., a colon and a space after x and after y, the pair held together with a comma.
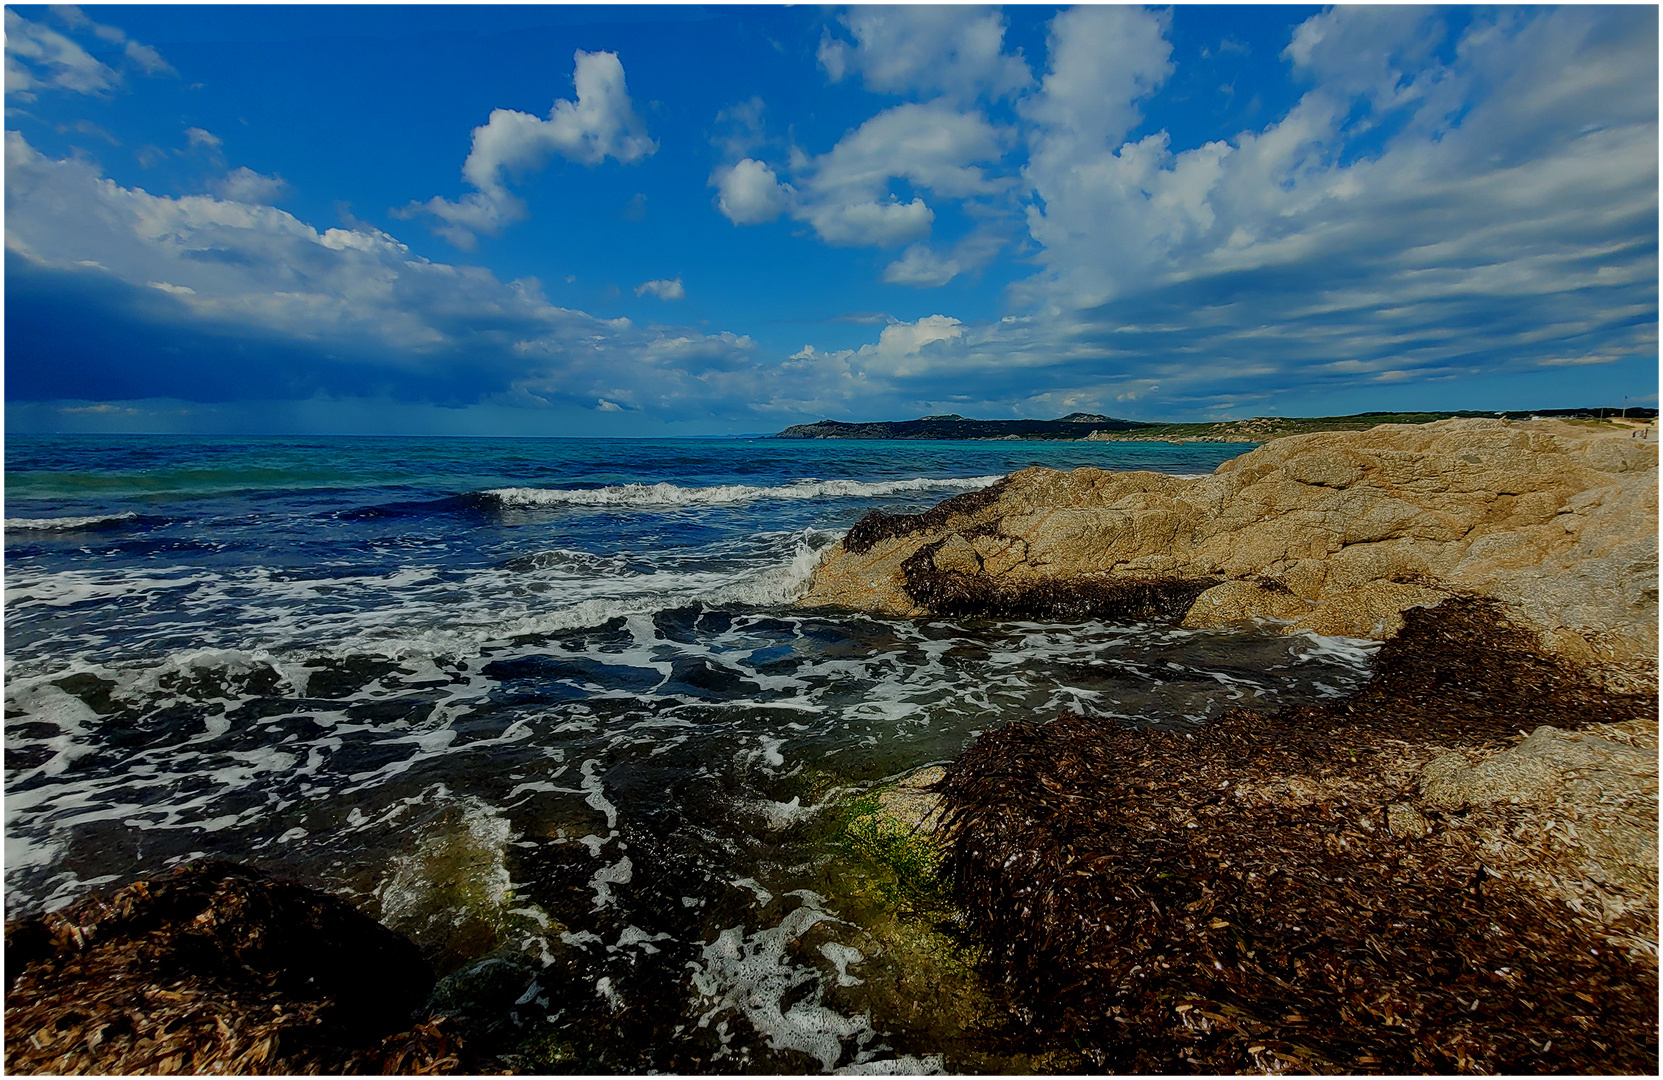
x: 546, y: 706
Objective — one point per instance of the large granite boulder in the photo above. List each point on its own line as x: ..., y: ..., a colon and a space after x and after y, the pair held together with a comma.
x: 1336, y: 532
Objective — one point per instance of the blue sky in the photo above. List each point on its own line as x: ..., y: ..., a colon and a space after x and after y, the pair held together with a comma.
x: 560, y: 220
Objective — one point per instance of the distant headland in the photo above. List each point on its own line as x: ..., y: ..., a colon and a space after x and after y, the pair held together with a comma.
x: 1095, y: 427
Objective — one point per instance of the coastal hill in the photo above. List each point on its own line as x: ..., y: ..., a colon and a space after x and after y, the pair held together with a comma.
x: 1096, y: 427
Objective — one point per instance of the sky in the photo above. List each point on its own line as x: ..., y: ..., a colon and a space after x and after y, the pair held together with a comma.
x: 659, y: 221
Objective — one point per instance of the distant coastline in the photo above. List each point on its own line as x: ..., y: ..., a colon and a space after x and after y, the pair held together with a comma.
x: 1097, y: 428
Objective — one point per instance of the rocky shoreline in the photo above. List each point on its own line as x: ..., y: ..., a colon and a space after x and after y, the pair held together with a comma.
x: 1453, y: 871
x: 1334, y: 532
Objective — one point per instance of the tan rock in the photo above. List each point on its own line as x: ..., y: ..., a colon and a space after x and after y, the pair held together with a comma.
x: 1337, y: 532
x: 1596, y: 790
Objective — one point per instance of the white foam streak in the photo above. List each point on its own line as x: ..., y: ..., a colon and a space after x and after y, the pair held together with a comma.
x: 663, y: 494
x: 65, y: 524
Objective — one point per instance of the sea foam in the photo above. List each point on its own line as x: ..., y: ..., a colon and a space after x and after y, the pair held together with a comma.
x: 68, y: 524
x: 665, y: 494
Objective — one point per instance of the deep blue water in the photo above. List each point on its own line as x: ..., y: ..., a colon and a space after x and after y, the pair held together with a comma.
x: 556, y: 681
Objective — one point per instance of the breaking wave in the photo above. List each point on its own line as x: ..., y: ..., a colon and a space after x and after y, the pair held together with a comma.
x: 69, y: 524
x: 665, y: 494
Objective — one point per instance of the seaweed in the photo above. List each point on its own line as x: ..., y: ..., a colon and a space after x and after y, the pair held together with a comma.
x: 215, y: 968
x: 1232, y: 898
x: 1071, y: 599
x: 877, y: 526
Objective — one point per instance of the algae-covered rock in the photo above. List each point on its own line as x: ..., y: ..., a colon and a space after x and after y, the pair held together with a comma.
x: 896, y: 827
x: 452, y: 894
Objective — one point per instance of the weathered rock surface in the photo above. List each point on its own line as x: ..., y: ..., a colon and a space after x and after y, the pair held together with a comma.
x: 1589, y: 803
x: 1337, y: 532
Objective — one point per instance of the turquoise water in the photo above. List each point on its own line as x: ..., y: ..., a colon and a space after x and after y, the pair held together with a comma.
x: 540, y: 698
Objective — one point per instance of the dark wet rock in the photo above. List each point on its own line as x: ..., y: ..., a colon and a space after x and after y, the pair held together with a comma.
x: 877, y: 525
x: 215, y: 967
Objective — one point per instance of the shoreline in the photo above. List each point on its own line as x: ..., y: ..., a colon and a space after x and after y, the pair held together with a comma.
x: 1452, y: 870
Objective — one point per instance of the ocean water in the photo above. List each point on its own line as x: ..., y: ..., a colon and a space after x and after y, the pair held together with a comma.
x: 545, y: 700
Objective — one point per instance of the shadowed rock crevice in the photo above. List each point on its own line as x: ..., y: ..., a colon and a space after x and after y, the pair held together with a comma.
x: 1271, y: 893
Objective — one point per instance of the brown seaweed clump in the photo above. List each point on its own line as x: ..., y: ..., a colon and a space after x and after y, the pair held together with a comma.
x: 216, y: 968
x: 1255, y: 894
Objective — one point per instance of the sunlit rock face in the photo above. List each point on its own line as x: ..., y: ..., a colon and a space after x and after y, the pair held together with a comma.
x: 1336, y: 532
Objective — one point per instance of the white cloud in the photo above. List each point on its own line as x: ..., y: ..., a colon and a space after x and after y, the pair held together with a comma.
x: 148, y: 59
x: 845, y: 194
x: 918, y: 265
x: 1104, y: 61
x: 244, y: 185
x: 1494, y: 182
x: 923, y: 267
x: 933, y: 146
x: 664, y: 289
x: 257, y: 272
x: 956, y: 51
x: 749, y: 193
x: 601, y: 123
x: 903, y: 350
x: 38, y: 58
x: 870, y: 224
x: 200, y: 137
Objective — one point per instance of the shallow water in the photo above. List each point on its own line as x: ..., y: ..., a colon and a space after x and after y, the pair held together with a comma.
x: 548, y: 699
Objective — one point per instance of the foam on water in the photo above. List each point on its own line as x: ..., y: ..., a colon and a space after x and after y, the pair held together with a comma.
x: 600, y: 740
x: 668, y: 495
x: 68, y: 524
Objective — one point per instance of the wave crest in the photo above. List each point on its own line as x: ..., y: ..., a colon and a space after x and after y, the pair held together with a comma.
x: 65, y: 524
x: 666, y: 494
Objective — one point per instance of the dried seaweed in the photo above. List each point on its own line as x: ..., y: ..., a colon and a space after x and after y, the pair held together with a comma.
x: 1232, y: 899
x: 215, y: 968
x: 878, y: 526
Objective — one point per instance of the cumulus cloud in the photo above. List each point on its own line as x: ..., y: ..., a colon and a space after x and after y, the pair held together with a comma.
x: 244, y: 185
x: 600, y: 124
x: 954, y: 51
x: 920, y: 266
x: 201, y: 137
x: 903, y: 350
x: 847, y: 194
x: 749, y: 193
x: 923, y: 267
x: 664, y: 289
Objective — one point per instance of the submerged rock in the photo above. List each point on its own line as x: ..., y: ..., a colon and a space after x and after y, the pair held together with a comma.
x: 216, y: 968
x: 1337, y: 532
